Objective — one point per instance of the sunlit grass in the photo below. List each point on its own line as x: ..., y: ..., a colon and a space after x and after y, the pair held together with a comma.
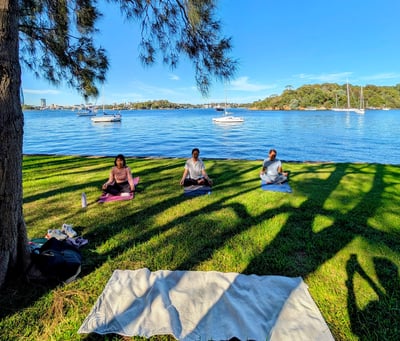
x: 340, y: 223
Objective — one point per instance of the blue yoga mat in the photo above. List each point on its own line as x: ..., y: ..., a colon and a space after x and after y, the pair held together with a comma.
x: 285, y: 187
x: 193, y: 191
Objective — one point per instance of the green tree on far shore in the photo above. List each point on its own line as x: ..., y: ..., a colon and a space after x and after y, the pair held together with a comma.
x: 54, y: 40
x: 328, y: 95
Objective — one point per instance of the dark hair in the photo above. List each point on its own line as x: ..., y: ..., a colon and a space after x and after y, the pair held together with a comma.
x: 120, y: 156
x: 195, y: 150
x: 272, y: 150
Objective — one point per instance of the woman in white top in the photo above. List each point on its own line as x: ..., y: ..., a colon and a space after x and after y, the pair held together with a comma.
x: 195, y: 171
x: 272, y: 172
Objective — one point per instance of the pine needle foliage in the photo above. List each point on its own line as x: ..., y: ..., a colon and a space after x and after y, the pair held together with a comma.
x: 57, y: 40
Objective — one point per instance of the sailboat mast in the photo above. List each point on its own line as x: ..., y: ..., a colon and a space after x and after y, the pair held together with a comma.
x: 361, y: 98
x: 348, y: 96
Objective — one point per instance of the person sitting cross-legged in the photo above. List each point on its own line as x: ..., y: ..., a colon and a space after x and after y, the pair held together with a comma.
x: 272, y: 172
x: 120, y: 181
x: 195, y: 171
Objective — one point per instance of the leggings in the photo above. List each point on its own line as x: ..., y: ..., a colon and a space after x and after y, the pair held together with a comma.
x: 191, y: 182
x: 118, y: 188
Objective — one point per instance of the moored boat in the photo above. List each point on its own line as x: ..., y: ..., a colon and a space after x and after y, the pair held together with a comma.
x: 228, y: 118
x: 107, y: 118
x: 86, y: 113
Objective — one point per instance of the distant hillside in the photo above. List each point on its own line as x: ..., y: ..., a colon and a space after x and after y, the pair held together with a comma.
x: 325, y: 96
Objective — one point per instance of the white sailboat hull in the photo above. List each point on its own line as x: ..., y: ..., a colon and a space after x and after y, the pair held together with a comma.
x: 107, y: 118
x: 228, y: 119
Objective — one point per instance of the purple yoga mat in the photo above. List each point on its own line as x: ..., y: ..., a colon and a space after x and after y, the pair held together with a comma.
x: 109, y: 197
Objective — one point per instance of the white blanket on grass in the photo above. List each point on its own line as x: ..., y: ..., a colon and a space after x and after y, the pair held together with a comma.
x: 196, y: 305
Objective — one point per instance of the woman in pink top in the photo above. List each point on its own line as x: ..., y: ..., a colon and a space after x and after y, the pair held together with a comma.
x: 120, y: 179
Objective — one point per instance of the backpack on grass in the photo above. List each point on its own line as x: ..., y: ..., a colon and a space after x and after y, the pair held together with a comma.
x: 57, y: 260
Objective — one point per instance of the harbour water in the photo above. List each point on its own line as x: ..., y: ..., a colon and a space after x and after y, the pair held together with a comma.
x: 297, y: 135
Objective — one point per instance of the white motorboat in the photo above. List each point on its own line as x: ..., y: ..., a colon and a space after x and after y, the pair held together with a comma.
x: 86, y: 113
x: 107, y: 118
x: 228, y: 118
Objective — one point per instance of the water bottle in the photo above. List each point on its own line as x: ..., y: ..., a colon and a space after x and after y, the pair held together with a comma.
x: 84, y: 200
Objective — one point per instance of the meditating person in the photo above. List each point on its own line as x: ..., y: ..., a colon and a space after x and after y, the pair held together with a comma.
x: 272, y: 172
x: 120, y: 180
x: 195, y: 171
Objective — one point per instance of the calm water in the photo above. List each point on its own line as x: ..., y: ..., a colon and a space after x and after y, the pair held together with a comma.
x: 297, y: 135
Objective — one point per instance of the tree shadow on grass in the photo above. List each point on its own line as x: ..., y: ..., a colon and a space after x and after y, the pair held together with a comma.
x: 311, y: 249
x: 379, y: 319
x: 295, y: 251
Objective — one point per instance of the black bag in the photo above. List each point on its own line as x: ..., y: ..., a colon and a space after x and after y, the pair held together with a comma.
x: 58, y: 260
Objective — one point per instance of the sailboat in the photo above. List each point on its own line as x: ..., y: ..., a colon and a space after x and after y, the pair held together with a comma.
x: 87, y: 111
x: 227, y: 117
x: 359, y: 110
x: 107, y: 117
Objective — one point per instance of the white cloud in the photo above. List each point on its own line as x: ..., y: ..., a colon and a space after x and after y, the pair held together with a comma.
x: 243, y: 84
x: 140, y: 91
x: 326, y: 77
x: 174, y: 77
x: 42, y: 92
x: 382, y: 76
x: 343, y: 77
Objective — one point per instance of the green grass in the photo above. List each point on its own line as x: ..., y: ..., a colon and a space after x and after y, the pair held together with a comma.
x: 339, y: 230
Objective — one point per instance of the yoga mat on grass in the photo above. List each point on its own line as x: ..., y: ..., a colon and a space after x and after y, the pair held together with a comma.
x: 195, y: 190
x: 285, y: 187
x: 206, y: 305
x: 109, y: 197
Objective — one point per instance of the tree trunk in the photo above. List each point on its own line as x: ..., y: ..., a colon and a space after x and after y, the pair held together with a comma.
x: 13, y: 238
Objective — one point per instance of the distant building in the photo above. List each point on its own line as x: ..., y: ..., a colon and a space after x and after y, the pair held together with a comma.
x: 43, y: 103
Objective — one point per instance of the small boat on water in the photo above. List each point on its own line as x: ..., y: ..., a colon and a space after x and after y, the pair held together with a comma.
x: 107, y: 118
x: 360, y: 110
x: 228, y: 118
x: 86, y: 111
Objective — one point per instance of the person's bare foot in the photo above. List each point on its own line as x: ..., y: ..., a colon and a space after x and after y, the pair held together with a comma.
x: 200, y: 182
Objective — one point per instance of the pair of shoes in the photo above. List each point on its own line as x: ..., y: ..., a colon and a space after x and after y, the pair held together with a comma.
x: 68, y: 230
x: 77, y: 242
x: 56, y: 234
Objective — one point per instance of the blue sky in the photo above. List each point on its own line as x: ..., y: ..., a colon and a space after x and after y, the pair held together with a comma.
x: 277, y: 43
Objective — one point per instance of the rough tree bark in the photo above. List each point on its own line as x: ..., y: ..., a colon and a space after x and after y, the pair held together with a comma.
x: 13, y: 238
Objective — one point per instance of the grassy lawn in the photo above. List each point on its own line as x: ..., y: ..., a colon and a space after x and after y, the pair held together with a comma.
x: 339, y: 230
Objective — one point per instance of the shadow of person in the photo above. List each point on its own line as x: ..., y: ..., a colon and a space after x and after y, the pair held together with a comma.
x: 379, y: 319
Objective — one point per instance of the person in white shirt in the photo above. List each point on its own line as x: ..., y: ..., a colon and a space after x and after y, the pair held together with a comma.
x: 195, y: 171
x: 272, y: 172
